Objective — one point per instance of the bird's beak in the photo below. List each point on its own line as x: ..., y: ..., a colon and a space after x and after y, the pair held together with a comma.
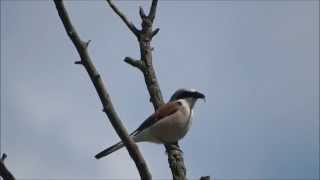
x: 200, y: 96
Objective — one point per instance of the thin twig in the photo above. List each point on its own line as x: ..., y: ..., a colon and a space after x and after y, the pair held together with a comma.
x: 142, y: 13
x: 136, y: 63
x: 130, y: 25
x: 153, y: 9
x: 102, y: 92
x: 155, y: 32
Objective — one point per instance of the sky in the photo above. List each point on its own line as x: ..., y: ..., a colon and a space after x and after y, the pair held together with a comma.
x: 256, y: 61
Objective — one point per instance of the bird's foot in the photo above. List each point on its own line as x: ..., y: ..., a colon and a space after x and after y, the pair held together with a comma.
x: 173, y: 147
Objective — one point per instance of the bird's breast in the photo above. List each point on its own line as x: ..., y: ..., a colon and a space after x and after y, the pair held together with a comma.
x: 174, y: 127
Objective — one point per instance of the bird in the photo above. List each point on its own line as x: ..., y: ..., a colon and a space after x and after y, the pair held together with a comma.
x: 167, y: 125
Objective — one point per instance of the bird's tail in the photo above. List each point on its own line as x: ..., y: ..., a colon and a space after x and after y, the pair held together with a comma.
x: 109, y: 150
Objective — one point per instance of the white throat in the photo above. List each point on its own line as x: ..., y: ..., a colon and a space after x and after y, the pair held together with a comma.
x: 189, y: 112
x: 186, y: 105
x: 191, y: 101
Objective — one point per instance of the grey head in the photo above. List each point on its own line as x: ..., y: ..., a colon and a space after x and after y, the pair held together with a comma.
x: 190, y: 95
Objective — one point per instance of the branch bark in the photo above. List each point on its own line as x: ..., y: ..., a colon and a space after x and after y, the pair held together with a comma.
x: 205, y: 178
x: 4, y: 172
x: 130, y: 25
x: 108, y: 108
x: 144, y: 37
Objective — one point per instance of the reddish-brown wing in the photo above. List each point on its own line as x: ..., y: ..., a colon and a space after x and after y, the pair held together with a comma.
x: 163, y: 111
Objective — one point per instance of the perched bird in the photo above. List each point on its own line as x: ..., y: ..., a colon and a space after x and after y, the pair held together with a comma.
x: 167, y: 125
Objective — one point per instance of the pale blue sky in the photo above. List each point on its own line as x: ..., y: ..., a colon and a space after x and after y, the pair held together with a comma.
x: 257, y: 62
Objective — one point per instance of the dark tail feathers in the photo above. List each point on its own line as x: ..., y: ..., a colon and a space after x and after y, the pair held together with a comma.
x: 109, y: 150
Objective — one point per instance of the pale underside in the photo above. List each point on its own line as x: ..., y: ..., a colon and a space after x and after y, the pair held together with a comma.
x: 169, y: 129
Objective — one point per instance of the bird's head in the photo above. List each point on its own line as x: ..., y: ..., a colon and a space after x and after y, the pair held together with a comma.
x: 190, y: 95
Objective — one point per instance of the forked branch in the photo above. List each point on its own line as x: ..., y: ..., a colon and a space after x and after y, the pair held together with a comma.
x: 153, y: 9
x: 136, y: 63
x: 130, y: 25
x: 108, y: 108
x: 145, y: 36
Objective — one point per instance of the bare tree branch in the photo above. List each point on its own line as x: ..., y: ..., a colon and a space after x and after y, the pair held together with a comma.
x: 102, y: 92
x: 136, y: 63
x: 175, y: 157
x: 205, y: 178
x: 130, y: 25
x: 155, y: 32
x: 142, y: 13
x: 153, y: 9
x: 4, y: 172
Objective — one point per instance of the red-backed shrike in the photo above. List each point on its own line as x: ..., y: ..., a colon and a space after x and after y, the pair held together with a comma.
x: 168, y: 124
